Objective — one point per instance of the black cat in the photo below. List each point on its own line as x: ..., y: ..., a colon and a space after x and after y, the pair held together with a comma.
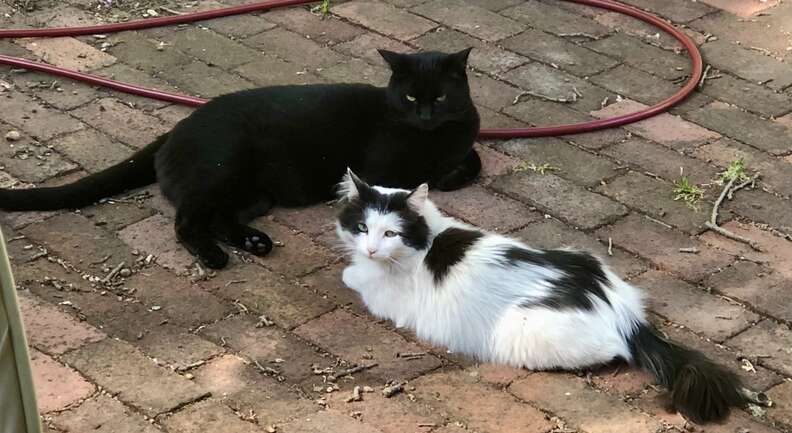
x: 238, y: 155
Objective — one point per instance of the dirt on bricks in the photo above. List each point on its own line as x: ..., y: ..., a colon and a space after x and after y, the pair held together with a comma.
x: 128, y: 334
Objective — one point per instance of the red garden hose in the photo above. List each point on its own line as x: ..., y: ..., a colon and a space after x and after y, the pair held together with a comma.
x: 544, y: 131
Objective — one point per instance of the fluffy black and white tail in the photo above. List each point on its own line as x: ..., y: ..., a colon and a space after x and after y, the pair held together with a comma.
x: 700, y: 390
x: 133, y: 172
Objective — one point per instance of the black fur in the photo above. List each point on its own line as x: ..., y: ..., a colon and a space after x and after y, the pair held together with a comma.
x: 415, y: 231
x: 583, y: 276
x: 449, y: 248
x: 701, y: 390
x: 240, y: 154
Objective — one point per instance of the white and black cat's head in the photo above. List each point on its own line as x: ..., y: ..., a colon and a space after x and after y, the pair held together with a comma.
x: 382, y: 224
x: 428, y: 89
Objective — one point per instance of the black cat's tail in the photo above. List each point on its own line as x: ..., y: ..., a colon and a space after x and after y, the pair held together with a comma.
x: 133, y: 172
x: 701, y: 390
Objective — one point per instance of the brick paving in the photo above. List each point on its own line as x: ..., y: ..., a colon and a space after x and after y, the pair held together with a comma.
x: 165, y: 347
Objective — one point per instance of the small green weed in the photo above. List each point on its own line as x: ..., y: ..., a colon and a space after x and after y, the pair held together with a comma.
x: 322, y: 9
x: 540, y: 168
x: 735, y: 171
x: 687, y: 192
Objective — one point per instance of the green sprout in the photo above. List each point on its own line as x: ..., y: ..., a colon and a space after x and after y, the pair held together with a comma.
x: 322, y: 9
x: 734, y: 172
x: 687, y: 192
x: 540, y: 168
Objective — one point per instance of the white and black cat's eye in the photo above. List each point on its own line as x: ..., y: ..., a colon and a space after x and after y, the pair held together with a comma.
x: 390, y: 234
x: 362, y: 228
x: 441, y: 98
x: 410, y: 98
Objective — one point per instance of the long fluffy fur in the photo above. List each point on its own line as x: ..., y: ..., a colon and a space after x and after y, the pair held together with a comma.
x: 499, y: 300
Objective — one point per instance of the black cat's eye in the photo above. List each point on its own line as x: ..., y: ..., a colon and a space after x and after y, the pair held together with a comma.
x: 390, y: 234
x: 440, y: 98
x: 410, y: 98
x: 362, y: 228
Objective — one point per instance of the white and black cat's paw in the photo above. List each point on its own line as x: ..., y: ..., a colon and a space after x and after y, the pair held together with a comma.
x: 351, y: 277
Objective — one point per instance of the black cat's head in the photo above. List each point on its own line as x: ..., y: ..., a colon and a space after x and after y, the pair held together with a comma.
x: 428, y: 89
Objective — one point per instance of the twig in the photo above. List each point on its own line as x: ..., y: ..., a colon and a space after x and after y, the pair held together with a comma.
x: 235, y: 282
x: 610, y: 246
x: 391, y: 390
x: 335, y: 376
x: 751, y: 181
x: 113, y: 273
x: 573, y: 98
x: 712, y: 224
x: 106, y: 258
x: 579, y: 34
x: 705, y: 76
x: 690, y: 250
x: 169, y: 10
x: 750, y: 242
x: 266, y: 370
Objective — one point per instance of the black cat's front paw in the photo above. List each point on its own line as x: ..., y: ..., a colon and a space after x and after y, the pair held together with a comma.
x: 213, y: 258
x: 460, y: 176
x: 259, y: 245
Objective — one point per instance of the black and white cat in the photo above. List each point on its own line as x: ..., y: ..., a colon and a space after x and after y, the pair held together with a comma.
x: 238, y: 155
x: 496, y: 299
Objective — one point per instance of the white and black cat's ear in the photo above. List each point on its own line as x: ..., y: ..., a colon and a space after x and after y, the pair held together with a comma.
x: 418, y: 196
x: 351, y: 186
x: 396, y: 61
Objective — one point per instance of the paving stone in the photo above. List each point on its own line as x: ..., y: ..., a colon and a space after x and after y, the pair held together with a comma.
x: 762, y: 207
x: 748, y: 64
x: 358, y: 340
x: 782, y: 396
x: 555, y: 50
x: 552, y: 234
x: 240, y: 26
x: 325, y: 30
x: 568, y: 161
x: 769, y: 339
x: 494, y: 5
x: 93, y: 150
x: 498, y: 375
x: 65, y: 94
x: 172, y: 114
x: 384, y: 18
x: 294, y: 48
x: 123, y: 370
x: 674, y: 299
x: 103, y: 414
x: 554, y: 19
x: 78, y: 240
x: 116, y: 119
x: 765, y: 31
x: 114, y: 216
x: 655, y: 197
x: 365, y: 47
x: 746, y: 127
x: 742, y: 8
x: 183, y: 303
x: 57, y: 386
x: 356, y: 71
x: 548, y: 82
x: 30, y: 161
x: 155, y: 235
x: 40, y: 122
x: 463, y: 397
x: 484, y: 57
x: 329, y: 420
x: 141, y: 51
x: 648, y: 58
x: 628, y: 25
x: 753, y: 284
x: 312, y: 220
x: 774, y: 173
x: 485, y: 209
x: 494, y: 163
x: 389, y: 415
x: 560, y: 197
x: 470, y: 19
x: 298, y: 255
x: 491, y: 93
x: 202, y: 80
x: 681, y: 13
x: 209, y: 415
x: 580, y: 406
x: 635, y: 84
x: 176, y: 348
x: 268, y: 70
x: 661, y: 245
x: 494, y: 119
x: 127, y: 74
x: 649, y: 157
x: 749, y: 96
x: 283, y: 301
x: 760, y: 379
x: 51, y: 330
x: 777, y: 250
x: 327, y: 283
x: 210, y: 47
x: 69, y: 53
x: 666, y: 129
x: 266, y: 344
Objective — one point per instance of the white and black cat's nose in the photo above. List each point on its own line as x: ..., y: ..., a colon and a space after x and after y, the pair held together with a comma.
x: 371, y: 251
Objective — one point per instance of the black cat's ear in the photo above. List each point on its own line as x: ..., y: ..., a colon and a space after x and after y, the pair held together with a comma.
x: 418, y: 196
x: 351, y: 186
x: 457, y: 62
x: 396, y: 61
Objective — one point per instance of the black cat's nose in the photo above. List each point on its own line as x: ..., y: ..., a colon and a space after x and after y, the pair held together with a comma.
x: 425, y: 112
